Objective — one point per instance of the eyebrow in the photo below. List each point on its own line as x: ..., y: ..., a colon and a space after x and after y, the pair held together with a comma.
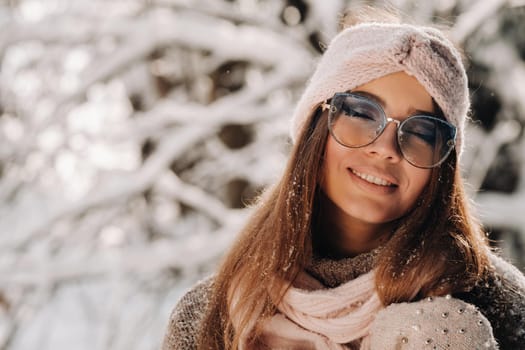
x: 382, y: 103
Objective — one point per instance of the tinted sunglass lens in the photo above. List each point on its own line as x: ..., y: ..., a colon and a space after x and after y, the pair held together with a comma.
x: 426, y: 141
x: 355, y: 121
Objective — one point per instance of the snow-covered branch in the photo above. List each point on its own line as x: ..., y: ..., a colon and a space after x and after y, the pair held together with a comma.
x: 133, y: 135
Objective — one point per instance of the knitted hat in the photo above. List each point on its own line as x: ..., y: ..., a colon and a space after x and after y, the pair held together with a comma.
x: 368, y: 51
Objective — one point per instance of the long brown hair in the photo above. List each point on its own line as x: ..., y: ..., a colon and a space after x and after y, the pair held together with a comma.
x: 273, y: 246
x: 438, y: 248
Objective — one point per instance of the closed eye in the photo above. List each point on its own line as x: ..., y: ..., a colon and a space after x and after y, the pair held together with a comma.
x: 429, y: 137
x: 350, y: 112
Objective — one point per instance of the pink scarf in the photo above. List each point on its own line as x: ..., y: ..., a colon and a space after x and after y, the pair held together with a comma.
x: 312, y: 316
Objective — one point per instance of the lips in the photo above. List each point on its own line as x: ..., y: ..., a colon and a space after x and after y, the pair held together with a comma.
x: 373, y: 179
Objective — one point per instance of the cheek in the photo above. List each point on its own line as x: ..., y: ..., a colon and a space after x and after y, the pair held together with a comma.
x: 325, y: 171
x: 420, y: 180
x: 332, y: 157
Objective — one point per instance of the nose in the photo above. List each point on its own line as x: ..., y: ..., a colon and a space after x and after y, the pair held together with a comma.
x: 386, y: 146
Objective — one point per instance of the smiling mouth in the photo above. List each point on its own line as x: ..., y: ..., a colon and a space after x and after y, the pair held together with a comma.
x: 373, y: 179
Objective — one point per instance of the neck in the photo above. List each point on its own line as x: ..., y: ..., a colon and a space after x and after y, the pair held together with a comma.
x: 341, y: 236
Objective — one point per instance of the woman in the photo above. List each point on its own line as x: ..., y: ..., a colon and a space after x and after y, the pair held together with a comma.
x: 366, y: 242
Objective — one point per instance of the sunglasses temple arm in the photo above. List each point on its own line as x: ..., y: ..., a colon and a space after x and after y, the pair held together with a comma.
x: 325, y: 106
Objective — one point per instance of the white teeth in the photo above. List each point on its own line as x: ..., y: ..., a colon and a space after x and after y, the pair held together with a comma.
x: 373, y: 179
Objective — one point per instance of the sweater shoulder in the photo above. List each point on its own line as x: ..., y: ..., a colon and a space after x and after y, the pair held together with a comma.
x: 500, y: 296
x: 512, y: 276
x: 187, y: 317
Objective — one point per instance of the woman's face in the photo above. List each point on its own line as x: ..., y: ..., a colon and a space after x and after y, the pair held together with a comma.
x: 374, y: 185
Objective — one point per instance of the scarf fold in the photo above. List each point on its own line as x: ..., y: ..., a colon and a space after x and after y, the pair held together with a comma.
x: 311, y: 316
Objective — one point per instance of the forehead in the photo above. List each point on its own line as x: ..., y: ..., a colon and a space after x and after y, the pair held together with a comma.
x: 399, y: 94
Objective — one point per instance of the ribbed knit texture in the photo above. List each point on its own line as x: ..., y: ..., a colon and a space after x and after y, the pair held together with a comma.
x: 367, y: 51
x: 333, y: 273
x: 341, y: 314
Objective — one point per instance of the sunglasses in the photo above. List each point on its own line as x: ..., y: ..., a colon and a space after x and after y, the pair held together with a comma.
x: 356, y: 121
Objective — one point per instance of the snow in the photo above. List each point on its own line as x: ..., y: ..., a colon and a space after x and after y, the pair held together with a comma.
x: 113, y: 181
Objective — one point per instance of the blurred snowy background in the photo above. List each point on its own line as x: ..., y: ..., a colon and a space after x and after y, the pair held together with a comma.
x: 133, y: 133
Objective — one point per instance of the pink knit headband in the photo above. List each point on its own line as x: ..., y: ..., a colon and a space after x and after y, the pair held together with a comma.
x: 369, y: 51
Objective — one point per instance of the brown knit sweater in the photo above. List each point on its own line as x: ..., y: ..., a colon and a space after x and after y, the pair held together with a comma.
x: 500, y: 297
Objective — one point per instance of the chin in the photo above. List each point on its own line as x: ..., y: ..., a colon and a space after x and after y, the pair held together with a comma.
x: 373, y: 217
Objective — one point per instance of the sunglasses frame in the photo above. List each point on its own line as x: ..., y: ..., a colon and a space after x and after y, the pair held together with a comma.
x: 332, y: 109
